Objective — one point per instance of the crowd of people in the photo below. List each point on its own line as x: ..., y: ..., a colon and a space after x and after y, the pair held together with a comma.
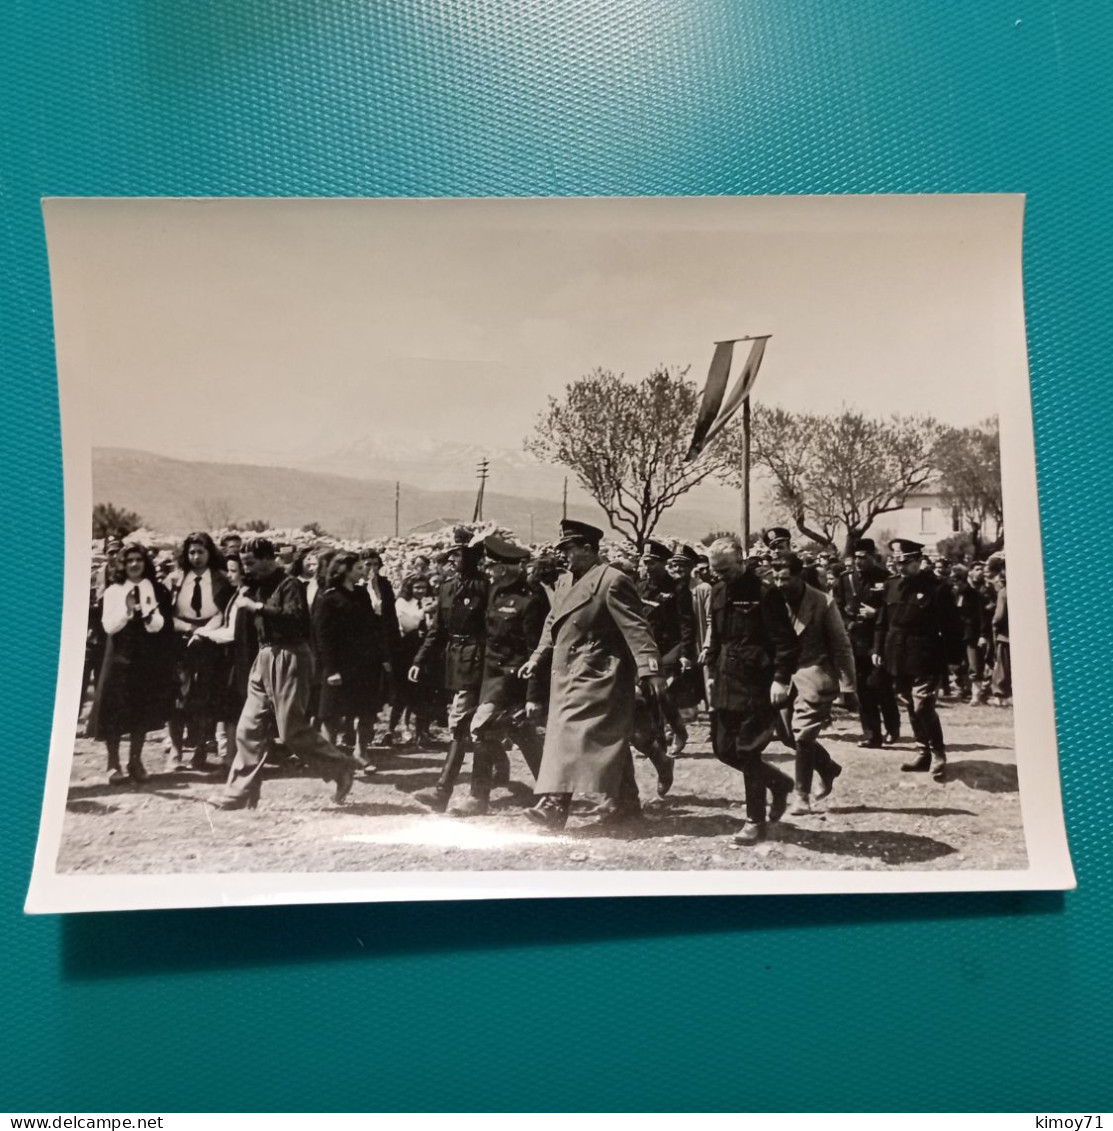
x: 251, y: 653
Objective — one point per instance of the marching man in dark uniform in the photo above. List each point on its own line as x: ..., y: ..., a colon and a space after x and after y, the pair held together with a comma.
x: 600, y: 645
x: 917, y: 633
x: 668, y: 611
x: 750, y: 656
x: 508, y: 705
x: 861, y: 592
x: 457, y: 632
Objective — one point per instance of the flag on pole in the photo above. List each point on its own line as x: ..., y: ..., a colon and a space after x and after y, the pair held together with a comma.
x: 715, y: 412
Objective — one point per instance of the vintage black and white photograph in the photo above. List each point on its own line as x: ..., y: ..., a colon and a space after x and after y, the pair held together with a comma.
x: 438, y: 549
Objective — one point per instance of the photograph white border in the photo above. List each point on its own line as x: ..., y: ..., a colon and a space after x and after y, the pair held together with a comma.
x: 1049, y: 865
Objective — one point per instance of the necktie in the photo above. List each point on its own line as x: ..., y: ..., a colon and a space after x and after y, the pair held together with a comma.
x: 135, y: 594
x: 195, y: 600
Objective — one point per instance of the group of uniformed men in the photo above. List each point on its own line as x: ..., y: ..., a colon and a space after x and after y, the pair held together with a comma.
x: 609, y: 665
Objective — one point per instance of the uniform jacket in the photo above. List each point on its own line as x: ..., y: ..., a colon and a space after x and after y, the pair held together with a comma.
x: 458, y: 632
x: 751, y: 644
x: 668, y: 611
x: 599, y: 642
x: 918, y: 631
x: 862, y: 593
x: 516, y: 613
x: 826, y: 662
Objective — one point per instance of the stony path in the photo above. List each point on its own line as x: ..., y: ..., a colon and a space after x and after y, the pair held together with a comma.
x: 877, y: 817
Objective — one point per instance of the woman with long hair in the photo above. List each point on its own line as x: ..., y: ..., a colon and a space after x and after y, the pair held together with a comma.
x: 414, y: 703
x: 350, y: 652
x: 135, y: 684
x: 199, y: 594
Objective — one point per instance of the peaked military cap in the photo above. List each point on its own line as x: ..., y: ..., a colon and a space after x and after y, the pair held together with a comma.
x: 573, y: 531
x: 905, y: 550
x: 499, y: 550
x: 777, y: 534
x: 865, y: 545
x: 658, y: 550
x: 686, y: 555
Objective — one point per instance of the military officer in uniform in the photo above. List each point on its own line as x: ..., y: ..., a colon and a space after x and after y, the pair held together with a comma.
x: 861, y: 592
x: 458, y: 630
x: 778, y: 539
x: 509, y: 706
x: 917, y: 634
x: 751, y: 654
x: 600, y: 646
x: 668, y: 610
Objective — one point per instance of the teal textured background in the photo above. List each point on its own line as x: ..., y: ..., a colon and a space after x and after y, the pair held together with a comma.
x: 963, y: 1002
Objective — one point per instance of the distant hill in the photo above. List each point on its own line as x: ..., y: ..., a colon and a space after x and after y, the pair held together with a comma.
x: 174, y: 496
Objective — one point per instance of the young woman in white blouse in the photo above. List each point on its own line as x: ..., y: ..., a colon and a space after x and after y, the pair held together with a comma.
x: 135, y: 685
x: 199, y: 594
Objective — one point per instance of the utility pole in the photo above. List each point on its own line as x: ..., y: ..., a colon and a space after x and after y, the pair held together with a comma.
x: 482, y: 470
x: 746, y: 475
x: 397, y: 494
x: 564, y: 511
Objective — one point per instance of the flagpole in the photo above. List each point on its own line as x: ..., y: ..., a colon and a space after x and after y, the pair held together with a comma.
x: 746, y: 474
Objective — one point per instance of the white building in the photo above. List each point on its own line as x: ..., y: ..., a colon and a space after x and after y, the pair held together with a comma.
x: 925, y: 517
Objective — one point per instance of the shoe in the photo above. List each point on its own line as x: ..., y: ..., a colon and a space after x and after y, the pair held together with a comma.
x: 939, y: 767
x: 137, y: 772
x: 550, y: 812
x: 665, y: 774
x: 752, y: 832
x: 827, y: 777
x: 248, y: 800
x: 893, y: 738
x: 919, y: 765
x: 801, y: 804
x: 611, y: 813
x: 435, y: 799
x: 470, y: 807
x: 871, y: 744
x: 117, y: 777
x: 779, y: 804
x: 679, y: 741
x: 345, y: 779
x: 202, y: 765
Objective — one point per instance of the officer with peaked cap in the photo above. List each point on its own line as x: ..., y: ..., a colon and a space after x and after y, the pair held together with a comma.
x: 600, y: 645
x: 917, y: 634
x: 668, y: 609
x: 777, y: 538
x: 861, y: 593
x: 458, y: 631
x: 508, y: 704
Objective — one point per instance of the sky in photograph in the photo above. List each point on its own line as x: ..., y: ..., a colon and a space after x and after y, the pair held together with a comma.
x: 245, y: 329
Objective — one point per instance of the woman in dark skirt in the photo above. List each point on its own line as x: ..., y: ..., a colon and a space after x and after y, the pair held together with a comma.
x: 135, y: 686
x: 199, y: 594
x: 350, y: 652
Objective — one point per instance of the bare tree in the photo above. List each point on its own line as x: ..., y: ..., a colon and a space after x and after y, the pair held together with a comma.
x: 840, y: 471
x: 626, y: 443
x: 969, y: 461
x: 213, y: 513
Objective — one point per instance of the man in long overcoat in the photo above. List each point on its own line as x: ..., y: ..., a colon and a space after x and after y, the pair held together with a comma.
x: 600, y: 645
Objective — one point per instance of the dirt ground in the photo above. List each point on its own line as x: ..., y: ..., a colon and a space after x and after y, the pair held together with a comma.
x: 877, y: 817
